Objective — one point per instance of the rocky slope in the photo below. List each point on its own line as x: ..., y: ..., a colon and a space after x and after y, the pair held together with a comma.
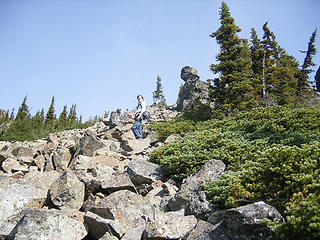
x: 97, y: 183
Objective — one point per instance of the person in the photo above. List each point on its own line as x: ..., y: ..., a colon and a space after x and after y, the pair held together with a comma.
x: 138, y: 117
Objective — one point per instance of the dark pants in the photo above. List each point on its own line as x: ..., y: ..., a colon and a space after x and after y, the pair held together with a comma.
x: 137, y: 128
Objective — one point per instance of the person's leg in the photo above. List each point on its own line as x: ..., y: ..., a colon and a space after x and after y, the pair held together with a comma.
x: 137, y: 129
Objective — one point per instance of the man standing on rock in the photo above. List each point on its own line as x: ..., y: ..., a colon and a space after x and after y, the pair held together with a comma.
x: 138, y: 117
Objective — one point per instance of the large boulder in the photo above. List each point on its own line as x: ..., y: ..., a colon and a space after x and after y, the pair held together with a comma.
x: 16, y: 195
x: 120, y: 211
x: 67, y: 191
x: 47, y: 224
x: 143, y: 172
x: 169, y: 225
x: 193, y: 89
x: 246, y: 221
x: 191, y: 196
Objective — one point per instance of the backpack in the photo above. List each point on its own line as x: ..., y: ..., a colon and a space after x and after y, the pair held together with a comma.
x: 146, y: 113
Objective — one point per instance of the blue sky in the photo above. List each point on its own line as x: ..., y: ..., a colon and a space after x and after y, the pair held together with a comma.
x: 99, y: 54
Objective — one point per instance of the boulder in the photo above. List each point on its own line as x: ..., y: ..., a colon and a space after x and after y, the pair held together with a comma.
x: 47, y: 224
x: 11, y: 165
x: 88, y: 145
x: 143, y: 172
x: 123, y: 207
x: 16, y: 195
x: 169, y: 225
x: 193, y: 89
x: 67, y: 191
x: 245, y: 221
x: 135, y: 145
x: 118, y: 119
x: 191, y: 196
x: 202, y: 231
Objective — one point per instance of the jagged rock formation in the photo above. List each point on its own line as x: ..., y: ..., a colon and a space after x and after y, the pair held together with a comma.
x: 193, y: 89
x: 97, y: 184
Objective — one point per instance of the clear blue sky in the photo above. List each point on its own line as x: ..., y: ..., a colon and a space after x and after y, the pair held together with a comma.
x: 99, y: 54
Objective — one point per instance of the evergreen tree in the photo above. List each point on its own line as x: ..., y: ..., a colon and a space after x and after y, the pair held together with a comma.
x: 23, y: 111
x: 285, y: 82
x: 50, y: 116
x: 234, y: 88
x: 158, y: 97
x: 317, y: 79
x: 270, y: 56
x: 303, y: 86
x: 41, y: 117
x: 256, y: 52
x: 72, y: 117
x: 12, y: 115
x: 63, y: 117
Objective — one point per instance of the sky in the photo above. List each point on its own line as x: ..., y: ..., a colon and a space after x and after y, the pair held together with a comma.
x: 100, y: 54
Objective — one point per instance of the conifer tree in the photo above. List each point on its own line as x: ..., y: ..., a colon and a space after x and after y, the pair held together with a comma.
x: 23, y: 111
x: 270, y: 56
x: 63, y: 117
x: 12, y: 115
x: 256, y: 52
x: 50, y: 116
x: 234, y: 88
x: 41, y: 116
x: 72, y: 117
x: 303, y: 75
x: 317, y: 80
x: 158, y: 97
x: 285, y: 82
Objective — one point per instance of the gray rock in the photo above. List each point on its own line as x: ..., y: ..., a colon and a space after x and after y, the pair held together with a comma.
x: 193, y: 89
x: 15, y: 196
x: 67, y: 191
x: 99, y: 227
x: 88, y: 145
x: 191, y: 196
x: 11, y: 165
x: 143, y: 172
x: 116, y: 182
x: 123, y: 207
x: 246, y: 220
x: 40, y: 224
x: 203, y: 231
x: 169, y: 225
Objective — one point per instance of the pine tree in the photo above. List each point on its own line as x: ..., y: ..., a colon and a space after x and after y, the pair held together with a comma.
x: 303, y: 85
x: 285, y: 82
x: 41, y: 117
x: 23, y: 111
x: 12, y: 115
x: 256, y: 52
x: 50, y: 116
x: 158, y: 97
x: 270, y: 56
x: 317, y: 80
x: 72, y: 117
x: 234, y: 88
x: 63, y: 117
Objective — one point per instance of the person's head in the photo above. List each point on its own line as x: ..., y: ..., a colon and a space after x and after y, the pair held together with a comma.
x: 140, y: 98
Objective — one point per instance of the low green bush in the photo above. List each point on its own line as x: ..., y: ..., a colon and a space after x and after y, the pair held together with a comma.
x: 272, y: 154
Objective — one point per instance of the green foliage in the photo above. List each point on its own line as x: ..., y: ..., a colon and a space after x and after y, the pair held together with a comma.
x: 24, y: 127
x: 158, y: 97
x: 234, y: 87
x: 303, y: 75
x: 177, y: 126
x: 272, y: 154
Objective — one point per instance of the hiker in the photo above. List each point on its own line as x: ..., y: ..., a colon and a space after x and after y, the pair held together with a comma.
x: 138, y: 117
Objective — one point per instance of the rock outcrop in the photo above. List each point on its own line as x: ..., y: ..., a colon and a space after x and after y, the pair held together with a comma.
x: 192, y: 90
x: 97, y: 183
